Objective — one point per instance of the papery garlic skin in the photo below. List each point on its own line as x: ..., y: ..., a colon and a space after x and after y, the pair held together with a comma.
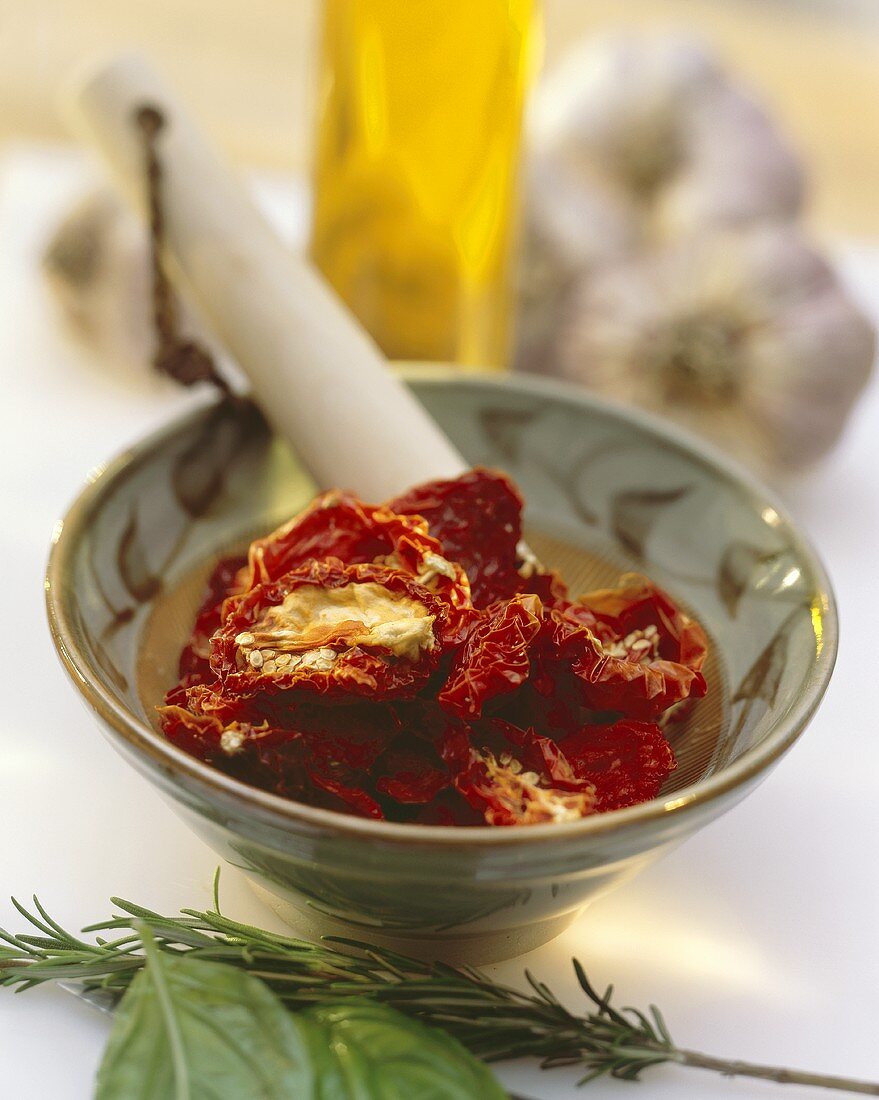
x: 661, y: 123
x: 634, y: 140
x: 745, y: 336
x: 576, y: 232
x: 97, y: 264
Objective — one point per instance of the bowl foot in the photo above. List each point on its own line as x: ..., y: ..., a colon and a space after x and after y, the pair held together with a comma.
x: 456, y: 948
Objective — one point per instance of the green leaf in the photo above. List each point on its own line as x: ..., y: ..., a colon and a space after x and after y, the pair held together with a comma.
x: 187, y: 1029
x: 366, y: 1051
x: 193, y: 1030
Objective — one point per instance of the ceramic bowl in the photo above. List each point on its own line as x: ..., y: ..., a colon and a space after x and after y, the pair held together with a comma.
x: 607, y: 490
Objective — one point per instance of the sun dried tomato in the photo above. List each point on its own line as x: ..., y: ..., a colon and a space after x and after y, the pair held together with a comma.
x: 627, y: 762
x: 343, y: 787
x: 477, y: 518
x: 623, y: 763
x: 547, y: 585
x: 410, y: 773
x: 423, y: 718
x: 635, y: 606
x: 495, y: 658
x: 449, y: 808
x: 208, y: 737
x: 354, y: 735
x: 208, y: 700
x: 536, y: 753
x: 337, y: 630
x: 338, y: 525
x: 194, y: 667
x: 334, y: 525
x: 631, y: 650
x: 508, y: 794
x: 349, y: 668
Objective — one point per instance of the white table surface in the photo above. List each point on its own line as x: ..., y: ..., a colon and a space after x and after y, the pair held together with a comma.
x: 757, y: 938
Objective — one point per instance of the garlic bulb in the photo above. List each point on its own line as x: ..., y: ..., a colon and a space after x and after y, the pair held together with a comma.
x: 675, y: 142
x: 745, y: 335
x: 634, y: 140
x: 97, y: 264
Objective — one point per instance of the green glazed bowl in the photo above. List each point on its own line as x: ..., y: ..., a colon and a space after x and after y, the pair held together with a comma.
x: 607, y: 490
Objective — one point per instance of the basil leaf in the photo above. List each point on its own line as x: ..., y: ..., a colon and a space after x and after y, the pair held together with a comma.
x: 363, y: 1050
x: 193, y: 1030
x: 187, y: 1029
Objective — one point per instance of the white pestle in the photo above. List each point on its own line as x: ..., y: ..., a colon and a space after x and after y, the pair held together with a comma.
x: 315, y: 372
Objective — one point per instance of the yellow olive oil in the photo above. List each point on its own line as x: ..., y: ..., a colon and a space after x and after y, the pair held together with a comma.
x: 416, y: 170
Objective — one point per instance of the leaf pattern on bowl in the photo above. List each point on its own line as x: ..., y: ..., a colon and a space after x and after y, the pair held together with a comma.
x: 503, y: 429
x: 197, y: 477
x: 739, y: 569
x: 763, y: 679
x: 635, y: 511
x: 199, y: 473
x: 140, y: 582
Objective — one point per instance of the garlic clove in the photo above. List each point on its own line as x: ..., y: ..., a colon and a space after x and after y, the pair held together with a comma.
x: 661, y: 122
x: 739, y: 168
x: 96, y: 264
x: 574, y: 229
x: 808, y: 370
x: 745, y: 336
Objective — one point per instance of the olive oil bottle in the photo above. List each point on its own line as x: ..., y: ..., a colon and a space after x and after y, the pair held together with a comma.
x: 416, y: 170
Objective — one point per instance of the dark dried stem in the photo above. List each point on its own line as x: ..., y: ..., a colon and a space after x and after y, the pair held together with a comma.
x: 186, y: 361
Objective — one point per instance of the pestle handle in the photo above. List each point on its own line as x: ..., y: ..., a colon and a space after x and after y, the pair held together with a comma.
x: 315, y: 372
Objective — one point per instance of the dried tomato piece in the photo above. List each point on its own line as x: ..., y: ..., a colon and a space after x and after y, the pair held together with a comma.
x: 430, y: 747
x: 453, y: 746
x: 335, y: 524
x: 408, y: 773
x: 545, y: 584
x: 495, y: 659
x: 655, y: 651
x: 420, y: 558
x: 627, y: 762
x: 337, y: 630
x: 634, y: 607
x: 631, y: 650
x: 354, y: 735
x: 424, y: 719
x: 343, y: 787
x: 208, y: 700
x: 538, y: 754
x: 477, y: 518
x: 210, y: 738
x: 555, y: 694
x: 449, y: 808
x: 194, y: 667
x: 338, y: 525
x: 508, y: 794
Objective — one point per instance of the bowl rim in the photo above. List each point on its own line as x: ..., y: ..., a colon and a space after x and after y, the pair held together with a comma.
x: 281, y: 812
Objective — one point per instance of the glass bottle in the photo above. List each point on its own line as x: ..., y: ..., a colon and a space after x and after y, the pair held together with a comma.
x: 416, y: 170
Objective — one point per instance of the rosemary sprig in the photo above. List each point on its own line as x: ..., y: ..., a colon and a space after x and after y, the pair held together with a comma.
x: 494, y: 1021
